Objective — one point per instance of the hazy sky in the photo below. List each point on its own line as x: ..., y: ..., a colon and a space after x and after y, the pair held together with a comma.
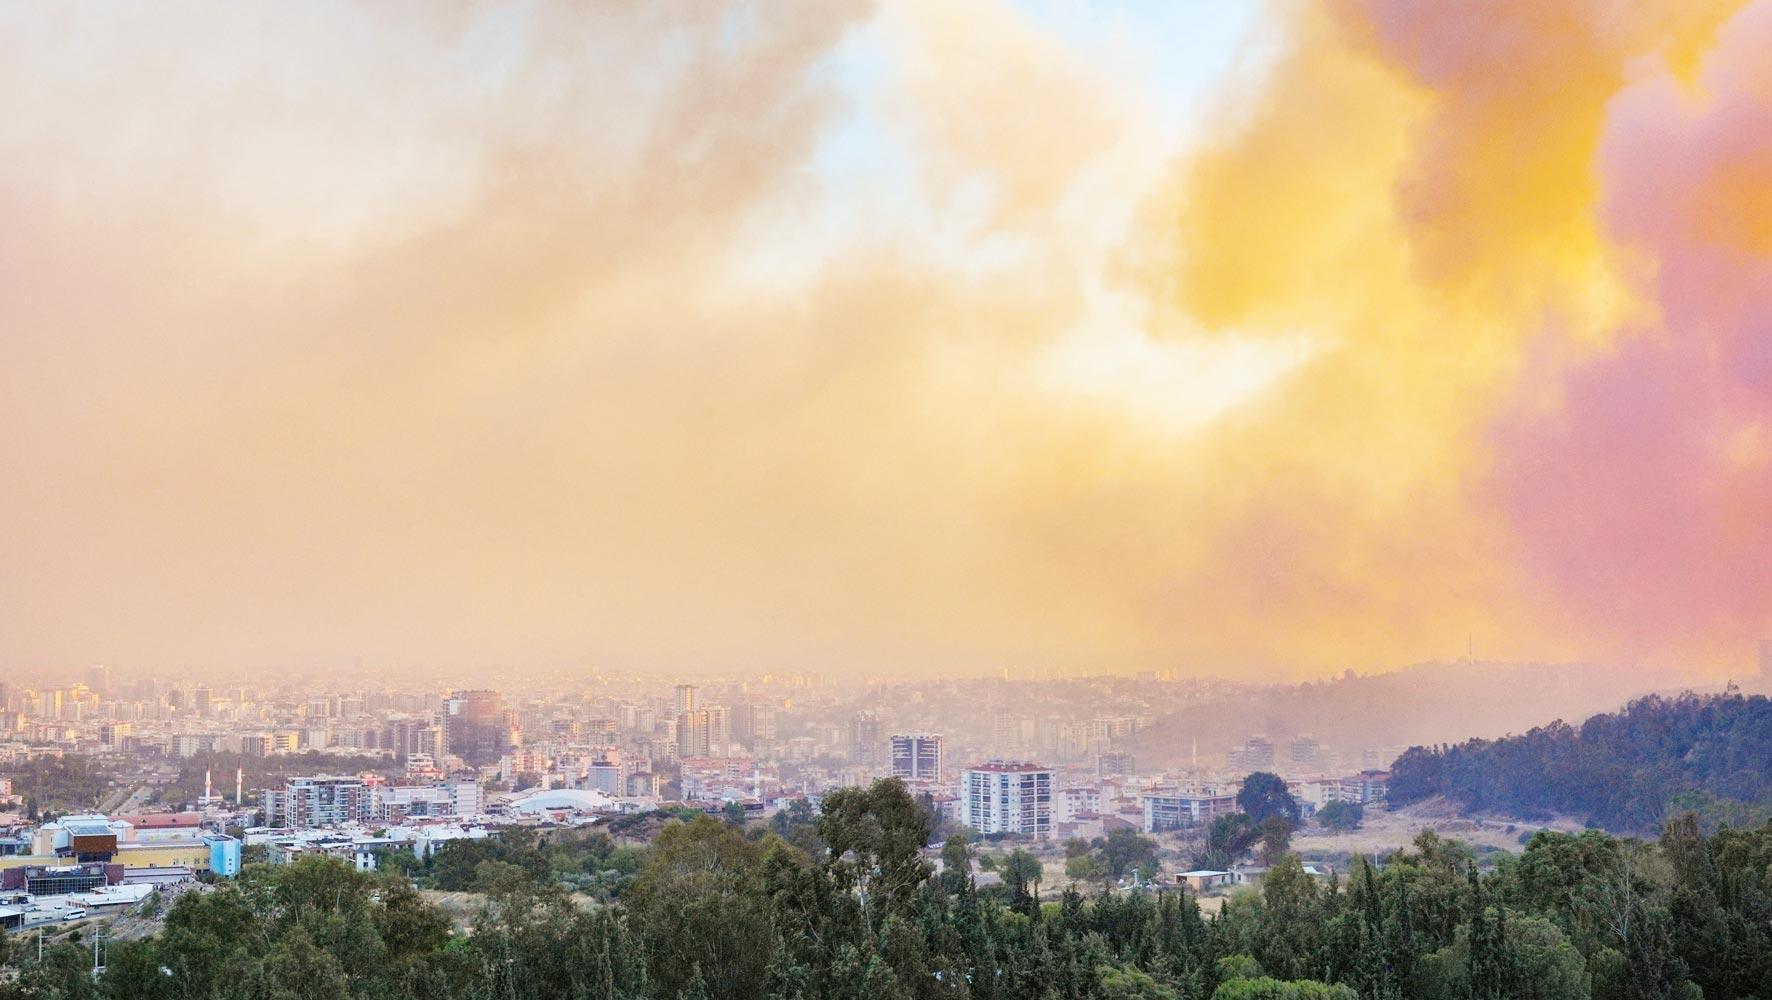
x: 926, y: 335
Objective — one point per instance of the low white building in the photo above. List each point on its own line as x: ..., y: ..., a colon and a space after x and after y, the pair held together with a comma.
x: 1206, y: 879
x: 564, y: 800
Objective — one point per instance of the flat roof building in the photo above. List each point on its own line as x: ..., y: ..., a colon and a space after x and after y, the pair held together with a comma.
x: 1173, y: 810
x: 1007, y: 797
x: 916, y: 756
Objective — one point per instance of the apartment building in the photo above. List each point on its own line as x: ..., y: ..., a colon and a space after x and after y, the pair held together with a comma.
x: 916, y: 756
x: 1002, y: 796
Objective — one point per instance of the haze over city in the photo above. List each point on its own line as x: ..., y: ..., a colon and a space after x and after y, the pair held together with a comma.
x: 1260, y: 341
x: 886, y: 500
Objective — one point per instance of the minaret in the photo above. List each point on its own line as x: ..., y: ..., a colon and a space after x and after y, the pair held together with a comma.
x: 207, y: 798
x: 239, y: 784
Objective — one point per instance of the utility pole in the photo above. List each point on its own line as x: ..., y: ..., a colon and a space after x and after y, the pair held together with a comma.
x: 98, y: 950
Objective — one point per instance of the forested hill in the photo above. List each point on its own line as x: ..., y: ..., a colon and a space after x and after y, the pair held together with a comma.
x: 1624, y: 771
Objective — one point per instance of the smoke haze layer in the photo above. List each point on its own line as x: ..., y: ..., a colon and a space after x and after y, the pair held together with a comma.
x: 915, y: 337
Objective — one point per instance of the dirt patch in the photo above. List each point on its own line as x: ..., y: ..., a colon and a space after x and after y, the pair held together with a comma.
x: 1384, y: 831
x: 462, y: 908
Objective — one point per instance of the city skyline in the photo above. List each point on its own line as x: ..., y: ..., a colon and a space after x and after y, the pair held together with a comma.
x: 887, y: 499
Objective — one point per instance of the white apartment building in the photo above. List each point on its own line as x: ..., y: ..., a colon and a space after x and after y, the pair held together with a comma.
x: 452, y: 799
x: 321, y: 801
x: 1002, y: 796
x: 1174, y: 809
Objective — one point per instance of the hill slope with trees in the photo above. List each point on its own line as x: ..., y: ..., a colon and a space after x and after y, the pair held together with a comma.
x: 1622, y: 771
x: 1425, y: 702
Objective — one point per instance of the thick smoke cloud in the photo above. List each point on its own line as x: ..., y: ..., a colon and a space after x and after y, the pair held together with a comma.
x: 546, y: 334
x: 1645, y: 493
x: 1523, y: 239
x: 457, y: 356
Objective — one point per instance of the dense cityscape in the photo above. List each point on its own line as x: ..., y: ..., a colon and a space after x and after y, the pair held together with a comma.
x: 130, y: 801
x: 389, y: 770
x: 886, y: 500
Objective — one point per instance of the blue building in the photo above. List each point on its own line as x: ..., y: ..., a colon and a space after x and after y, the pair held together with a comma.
x: 224, y: 854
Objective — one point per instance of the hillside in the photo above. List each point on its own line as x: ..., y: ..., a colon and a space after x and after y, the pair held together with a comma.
x: 1423, y: 704
x: 1623, y: 771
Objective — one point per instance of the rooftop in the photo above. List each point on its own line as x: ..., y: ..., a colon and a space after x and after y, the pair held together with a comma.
x: 1009, y: 766
x: 163, y: 821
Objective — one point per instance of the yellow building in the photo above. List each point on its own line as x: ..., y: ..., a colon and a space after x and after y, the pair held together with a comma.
x: 87, y: 839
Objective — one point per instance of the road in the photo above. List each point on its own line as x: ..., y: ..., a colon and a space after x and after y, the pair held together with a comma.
x: 128, y: 803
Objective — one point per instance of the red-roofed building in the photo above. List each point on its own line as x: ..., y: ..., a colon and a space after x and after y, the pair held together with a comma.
x: 164, y: 821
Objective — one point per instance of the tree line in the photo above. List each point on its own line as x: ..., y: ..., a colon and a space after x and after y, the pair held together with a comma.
x: 60, y: 783
x: 1623, y: 771
x: 854, y: 910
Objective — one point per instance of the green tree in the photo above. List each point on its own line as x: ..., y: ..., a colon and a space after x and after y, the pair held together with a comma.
x: 1228, y: 839
x: 1341, y: 816
x: 409, y: 927
x: 697, y: 904
x: 1274, y: 989
x: 733, y: 813
x: 1586, y: 882
x: 1021, y: 870
x: 1276, y: 839
x: 1487, y: 954
x: 1545, y: 965
x: 1434, y: 879
x: 1124, y: 850
x: 1264, y: 794
x: 302, y: 970
x: 1293, y: 919
x: 132, y: 972
x: 1086, y: 868
x: 875, y: 837
x: 1540, y: 964
x: 205, y: 934
x: 1118, y: 982
x: 797, y: 823
x: 63, y: 973
x: 956, y: 861
x: 1239, y: 966
x: 1653, y: 966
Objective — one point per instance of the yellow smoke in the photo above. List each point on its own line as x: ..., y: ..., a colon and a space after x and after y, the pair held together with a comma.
x: 464, y: 357
x: 1416, y: 189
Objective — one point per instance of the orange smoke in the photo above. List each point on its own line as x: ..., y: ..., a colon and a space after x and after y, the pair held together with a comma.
x: 550, y: 335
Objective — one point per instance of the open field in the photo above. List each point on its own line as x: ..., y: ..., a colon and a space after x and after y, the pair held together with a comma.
x: 1385, y: 831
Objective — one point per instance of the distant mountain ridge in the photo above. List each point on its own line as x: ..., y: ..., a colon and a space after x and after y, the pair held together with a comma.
x: 1418, y: 705
x: 1623, y: 771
